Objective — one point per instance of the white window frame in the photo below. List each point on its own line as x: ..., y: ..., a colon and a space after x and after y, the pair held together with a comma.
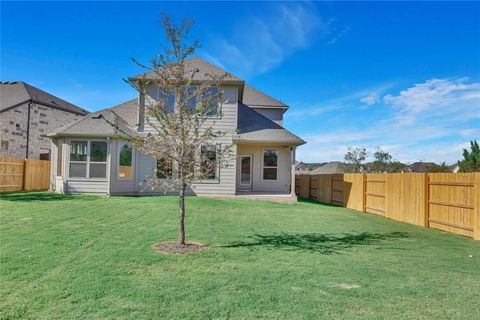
x: 218, y: 114
x: 217, y: 167
x: 263, y: 164
x: 117, y: 174
x: 251, y: 168
x: 88, y: 162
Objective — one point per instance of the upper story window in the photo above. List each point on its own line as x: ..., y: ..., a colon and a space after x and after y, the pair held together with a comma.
x: 125, y: 157
x: 88, y: 159
x: 270, y: 164
x: 210, y: 95
x: 170, y: 101
x: 211, y: 98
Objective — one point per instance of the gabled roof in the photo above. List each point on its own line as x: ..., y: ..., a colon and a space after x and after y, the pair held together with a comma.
x: 103, y: 123
x: 331, y: 168
x: 256, y: 128
x: 14, y: 93
x: 250, y: 97
x: 204, y: 69
x: 254, y: 97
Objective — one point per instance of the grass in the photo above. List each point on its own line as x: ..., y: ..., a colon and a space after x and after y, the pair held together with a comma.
x: 76, y: 257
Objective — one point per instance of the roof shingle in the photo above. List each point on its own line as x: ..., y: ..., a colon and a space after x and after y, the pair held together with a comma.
x: 13, y: 93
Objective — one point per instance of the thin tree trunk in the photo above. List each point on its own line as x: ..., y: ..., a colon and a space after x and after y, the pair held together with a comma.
x: 181, y: 217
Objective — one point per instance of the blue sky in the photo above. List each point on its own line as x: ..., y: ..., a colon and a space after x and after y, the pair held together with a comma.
x: 403, y: 76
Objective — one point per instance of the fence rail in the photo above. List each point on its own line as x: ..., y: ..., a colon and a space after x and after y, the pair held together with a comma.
x: 24, y: 174
x: 445, y: 201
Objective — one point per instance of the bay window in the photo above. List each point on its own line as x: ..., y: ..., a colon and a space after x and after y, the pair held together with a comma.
x: 88, y: 159
x: 270, y: 164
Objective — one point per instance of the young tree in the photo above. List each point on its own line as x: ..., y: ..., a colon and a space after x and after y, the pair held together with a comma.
x: 355, y: 158
x: 471, y: 160
x: 182, y: 135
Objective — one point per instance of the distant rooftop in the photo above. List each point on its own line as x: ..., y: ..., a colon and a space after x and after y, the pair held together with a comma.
x: 14, y: 93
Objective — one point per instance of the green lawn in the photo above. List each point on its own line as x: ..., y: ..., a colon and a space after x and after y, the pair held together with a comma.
x: 90, y: 257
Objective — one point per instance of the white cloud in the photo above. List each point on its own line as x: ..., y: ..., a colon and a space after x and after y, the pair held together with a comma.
x: 430, y: 121
x: 258, y: 44
x: 436, y: 97
x: 371, y: 99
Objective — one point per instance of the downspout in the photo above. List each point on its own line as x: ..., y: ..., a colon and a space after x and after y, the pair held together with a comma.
x: 28, y: 128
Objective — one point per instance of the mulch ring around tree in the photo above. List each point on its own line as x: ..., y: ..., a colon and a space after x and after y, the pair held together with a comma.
x: 172, y: 247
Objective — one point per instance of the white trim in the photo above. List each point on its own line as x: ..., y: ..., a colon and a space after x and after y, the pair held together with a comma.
x: 263, y: 167
x: 87, y: 162
x: 117, y: 173
x: 251, y: 169
x: 215, y: 180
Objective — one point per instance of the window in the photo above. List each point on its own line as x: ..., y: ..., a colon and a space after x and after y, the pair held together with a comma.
x: 44, y: 154
x: 208, y: 162
x: 88, y: 159
x: 125, y: 160
x: 4, y: 145
x: 78, y: 159
x: 192, y: 102
x: 164, y: 169
x: 170, y: 101
x: 270, y: 162
x: 211, y: 102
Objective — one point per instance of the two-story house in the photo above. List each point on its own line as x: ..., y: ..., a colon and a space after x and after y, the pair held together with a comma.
x: 27, y: 115
x: 92, y: 157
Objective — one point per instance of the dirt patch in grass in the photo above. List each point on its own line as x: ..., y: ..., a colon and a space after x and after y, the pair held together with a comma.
x: 172, y: 247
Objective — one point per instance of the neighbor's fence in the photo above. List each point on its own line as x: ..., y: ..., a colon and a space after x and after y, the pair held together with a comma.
x: 445, y: 201
x: 24, y: 174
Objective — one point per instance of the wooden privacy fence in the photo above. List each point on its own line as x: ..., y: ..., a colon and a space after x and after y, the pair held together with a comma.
x: 445, y: 201
x: 24, y: 174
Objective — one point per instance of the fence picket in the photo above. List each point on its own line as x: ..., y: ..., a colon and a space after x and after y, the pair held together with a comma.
x: 446, y: 201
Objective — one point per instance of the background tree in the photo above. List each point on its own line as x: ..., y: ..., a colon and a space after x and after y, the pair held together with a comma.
x: 471, y: 159
x: 355, y: 158
x: 182, y: 137
x: 384, y: 162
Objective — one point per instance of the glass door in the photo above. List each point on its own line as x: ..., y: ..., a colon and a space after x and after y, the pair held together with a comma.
x: 246, y: 172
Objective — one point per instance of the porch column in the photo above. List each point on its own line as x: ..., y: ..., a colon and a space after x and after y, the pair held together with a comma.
x: 292, y: 171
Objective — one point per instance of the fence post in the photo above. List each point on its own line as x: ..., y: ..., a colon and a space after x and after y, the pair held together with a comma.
x: 364, y: 191
x: 24, y: 179
x: 427, y: 205
x: 476, y: 207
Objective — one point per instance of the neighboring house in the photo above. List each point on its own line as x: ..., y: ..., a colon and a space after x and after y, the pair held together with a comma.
x: 418, y: 167
x: 331, y: 168
x: 27, y: 115
x: 92, y: 157
x: 454, y: 168
x: 301, y: 168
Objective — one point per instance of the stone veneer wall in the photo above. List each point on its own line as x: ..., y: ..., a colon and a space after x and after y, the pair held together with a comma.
x: 43, y: 120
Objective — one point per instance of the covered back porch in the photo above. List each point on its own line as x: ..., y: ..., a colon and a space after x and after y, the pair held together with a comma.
x: 265, y: 171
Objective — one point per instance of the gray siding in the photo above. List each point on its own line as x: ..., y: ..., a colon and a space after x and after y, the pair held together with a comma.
x: 282, y: 184
x: 227, y: 123
x: 85, y: 186
x: 276, y: 115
